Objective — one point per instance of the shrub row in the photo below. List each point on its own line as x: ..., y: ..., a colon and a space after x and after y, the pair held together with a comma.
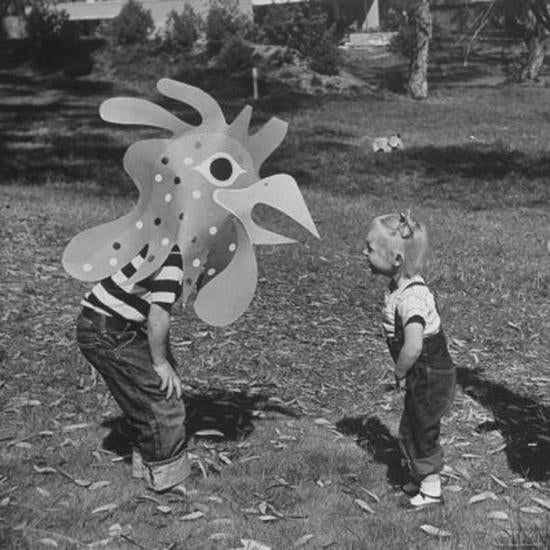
x: 227, y: 31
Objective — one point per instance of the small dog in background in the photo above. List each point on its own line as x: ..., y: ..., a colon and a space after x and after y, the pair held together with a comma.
x: 387, y: 144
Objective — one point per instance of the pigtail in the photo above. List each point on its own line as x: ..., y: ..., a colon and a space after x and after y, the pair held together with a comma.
x: 416, y: 250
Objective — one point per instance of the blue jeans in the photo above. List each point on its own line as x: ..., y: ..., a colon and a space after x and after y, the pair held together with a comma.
x: 119, y: 351
x: 429, y: 393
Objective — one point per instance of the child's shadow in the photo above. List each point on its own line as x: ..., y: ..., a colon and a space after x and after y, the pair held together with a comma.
x: 373, y: 436
x: 523, y: 422
x: 228, y: 412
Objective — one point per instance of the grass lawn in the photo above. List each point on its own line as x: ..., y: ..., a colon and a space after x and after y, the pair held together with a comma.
x: 300, y: 386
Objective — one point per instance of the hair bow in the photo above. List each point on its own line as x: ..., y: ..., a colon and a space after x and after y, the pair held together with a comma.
x: 406, y: 225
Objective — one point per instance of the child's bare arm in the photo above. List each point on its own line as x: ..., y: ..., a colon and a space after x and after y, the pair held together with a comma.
x: 411, y: 350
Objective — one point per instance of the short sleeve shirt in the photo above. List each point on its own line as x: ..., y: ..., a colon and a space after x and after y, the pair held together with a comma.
x: 113, y: 296
x: 412, y: 302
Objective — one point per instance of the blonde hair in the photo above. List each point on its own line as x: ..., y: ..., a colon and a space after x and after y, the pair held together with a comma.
x: 406, y: 236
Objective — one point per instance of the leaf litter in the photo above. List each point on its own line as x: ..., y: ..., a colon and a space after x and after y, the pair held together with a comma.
x: 303, y: 540
x: 434, y: 531
x: 482, y: 497
x: 327, y: 389
x: 364, y: 506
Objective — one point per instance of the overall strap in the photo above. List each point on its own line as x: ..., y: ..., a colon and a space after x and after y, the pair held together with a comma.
x: 414, y: 283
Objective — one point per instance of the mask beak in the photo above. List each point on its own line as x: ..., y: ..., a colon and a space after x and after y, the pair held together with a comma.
x: 280, y: 192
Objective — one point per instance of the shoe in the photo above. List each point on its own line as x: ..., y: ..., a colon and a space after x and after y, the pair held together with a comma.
x: 422, y: 501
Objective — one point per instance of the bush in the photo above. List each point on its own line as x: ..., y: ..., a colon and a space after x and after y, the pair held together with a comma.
x: 404, y: 40
x: 50, y: 33
x: 514, y: 67
x: 303, y: 27
x: 223, y: 22
x: 236, y: 56
x: 325, y: 58
x: 132, y: 25
x: 182, y: 29
x: 138, y: 63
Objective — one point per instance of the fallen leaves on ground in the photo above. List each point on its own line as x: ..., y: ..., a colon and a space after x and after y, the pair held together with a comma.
x: 105, y: 508
x: 192, y: 516
x: 364, y: 506
x: 498, y: 514
x: 435, y: 531
x: 482, y: 496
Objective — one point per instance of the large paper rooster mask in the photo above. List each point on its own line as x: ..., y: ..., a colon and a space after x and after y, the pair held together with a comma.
x: 197, y: 190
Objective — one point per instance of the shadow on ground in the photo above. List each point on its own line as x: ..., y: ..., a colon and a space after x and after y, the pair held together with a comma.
x: 449, y: 65
x: 523, y: 423
x: 375, y: 438
x: 474, y: 175
x: 228, y: 412
x: 50, y: 128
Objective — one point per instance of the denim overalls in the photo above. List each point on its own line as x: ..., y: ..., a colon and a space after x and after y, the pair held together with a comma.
x: 429, y: 392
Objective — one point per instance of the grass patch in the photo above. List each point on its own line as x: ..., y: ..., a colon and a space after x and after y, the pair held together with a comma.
x: 321, y: 434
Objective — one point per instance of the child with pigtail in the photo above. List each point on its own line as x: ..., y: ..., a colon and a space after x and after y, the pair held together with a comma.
x: 397, y: 247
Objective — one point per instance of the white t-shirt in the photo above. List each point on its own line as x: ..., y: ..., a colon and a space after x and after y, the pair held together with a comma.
x: 410, y: 301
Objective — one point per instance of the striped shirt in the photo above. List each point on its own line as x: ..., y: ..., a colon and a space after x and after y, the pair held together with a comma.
x: 113, y: 297
x: 412, y: 302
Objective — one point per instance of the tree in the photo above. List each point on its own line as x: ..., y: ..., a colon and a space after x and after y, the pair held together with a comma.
x: 528, y: 20
x: 418, y: 68
x: 132, y: 25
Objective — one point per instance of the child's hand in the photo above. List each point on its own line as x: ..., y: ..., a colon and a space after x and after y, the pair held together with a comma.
x: 400, y: 374
x: 169, y: 380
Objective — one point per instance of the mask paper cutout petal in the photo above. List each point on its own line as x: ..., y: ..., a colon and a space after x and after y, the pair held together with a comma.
x: 239, y: 127
x: 226, y: 297
x: 197, y: 190
x: 279, y: 191
x: 205, y: 104
x: 267, y: 139
x: 101, y: 251
x: 130, y: 110
x: 139, y: 163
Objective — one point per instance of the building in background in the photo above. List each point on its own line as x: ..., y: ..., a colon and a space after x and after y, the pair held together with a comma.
x: 372, y: 19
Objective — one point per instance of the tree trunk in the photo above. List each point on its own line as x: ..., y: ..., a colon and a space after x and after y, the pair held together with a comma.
x: 418, y: 70
x: 536, y: 46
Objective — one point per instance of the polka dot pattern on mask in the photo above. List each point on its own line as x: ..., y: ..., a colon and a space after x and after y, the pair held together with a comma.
x: 163, y: 219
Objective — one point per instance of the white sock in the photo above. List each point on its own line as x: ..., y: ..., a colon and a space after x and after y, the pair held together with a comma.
x: 431, y: 485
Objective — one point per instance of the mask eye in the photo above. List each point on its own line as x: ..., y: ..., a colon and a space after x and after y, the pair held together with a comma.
x: 220, y: 169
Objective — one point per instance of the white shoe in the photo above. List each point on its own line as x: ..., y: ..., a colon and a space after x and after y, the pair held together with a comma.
x: 422, y: 500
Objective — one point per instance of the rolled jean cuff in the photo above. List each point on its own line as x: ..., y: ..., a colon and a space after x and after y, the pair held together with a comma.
x: 422, y: 467
x: 165, y: 474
